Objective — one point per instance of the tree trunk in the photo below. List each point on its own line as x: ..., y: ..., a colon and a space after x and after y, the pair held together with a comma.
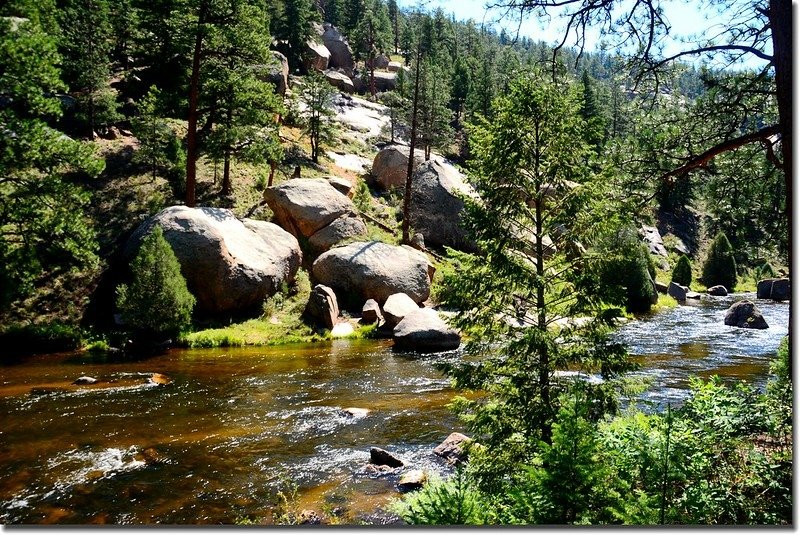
x: 272, y: 166
x: 194, y: 93
x: 780, y: 20
x: 411, y: 145
x: 226, y: 163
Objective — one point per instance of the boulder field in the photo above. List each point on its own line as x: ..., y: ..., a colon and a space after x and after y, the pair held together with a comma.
x: 230, y: 264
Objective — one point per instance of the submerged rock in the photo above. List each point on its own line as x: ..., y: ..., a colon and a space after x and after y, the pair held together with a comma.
x: 354, y: 412
x: 380, y: 456
x: 412, y: 480
x: 85, y: 380
x: 718, y: 290
x: 745, y: 314
x: 159, y: 379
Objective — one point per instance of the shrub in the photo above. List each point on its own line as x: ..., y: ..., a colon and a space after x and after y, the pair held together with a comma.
x: 452, y: 502
x: 682, y: 273
x: 157, y: 300
x: 720, y: 265
x: 624, y: 272
x: 765, y: 271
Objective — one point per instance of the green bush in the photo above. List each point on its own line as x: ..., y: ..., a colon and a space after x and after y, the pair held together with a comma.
x: 19, y: 340
x: 765, y: 271
x: 720, y: 265
x: 682, y: 273
x: 157, y: 300
x: 452, y: 502
x: 623, y: 272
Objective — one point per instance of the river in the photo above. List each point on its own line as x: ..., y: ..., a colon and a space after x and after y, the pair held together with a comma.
x: 235, y: 426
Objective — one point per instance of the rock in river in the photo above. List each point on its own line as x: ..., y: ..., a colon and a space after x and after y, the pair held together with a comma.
x: 718, y: 290
x: 412, y: 480
x: 453, y: 449
x: 745, y: 314
x: 380, y: 456
x: 322, y: 306
x: 425, y: 330
x: 397, y: 307
x: 230, y: 264
x: 375, y: 270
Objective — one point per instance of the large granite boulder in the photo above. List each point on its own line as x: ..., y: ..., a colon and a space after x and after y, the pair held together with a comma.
x: 316, y: 57
x: 230, y: 264
x: 322, y: 306
x: 677, y: 291
x: 313, y: 209
x: 775, y: 289
x: 375, y: 270
x: 397, y: 307
x: 278, y: 73
x: 390, y: 166
x: 394, y: 66
x: 745, y: 314
x: 437, y: 205
x: 385, y: 81
x: 424, y: 330
x: 371, y: 312
x: 340, y: 81
x: 341, y: 53
x: 381, y: 61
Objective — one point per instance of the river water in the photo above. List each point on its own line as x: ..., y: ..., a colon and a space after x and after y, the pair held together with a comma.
x: 236, y: 426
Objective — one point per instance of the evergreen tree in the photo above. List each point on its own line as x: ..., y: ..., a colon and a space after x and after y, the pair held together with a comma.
x: 86, y: 48
x: 518, y: 288
x: 157, y: 302
x: 241, y: 103
x: 395, y: 17
x: 153, y: 133
x: 334, y: 12
x: 682, y: 272
x: 461, y: 84
x: 44, y: 228
x: 353, y: 11
x: 371, y: 36
x: 317, y: 96
x: 296, y: 26
x: 434, y: 126
x: 720, y: 264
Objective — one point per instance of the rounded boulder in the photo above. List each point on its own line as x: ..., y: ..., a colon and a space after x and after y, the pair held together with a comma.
x: 375, y: 270
x: 424, y: 330
x: 230, y: 265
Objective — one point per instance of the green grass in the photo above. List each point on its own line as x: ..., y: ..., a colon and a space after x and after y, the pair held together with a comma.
x: 664, y: 301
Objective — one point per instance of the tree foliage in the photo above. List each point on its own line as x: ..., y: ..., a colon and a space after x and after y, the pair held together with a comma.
x: 720, y: 264
x: 682, y: 272
x: 157, y: 300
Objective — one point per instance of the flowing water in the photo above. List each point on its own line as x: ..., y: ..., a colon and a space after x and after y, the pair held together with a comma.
x: 236, y: 426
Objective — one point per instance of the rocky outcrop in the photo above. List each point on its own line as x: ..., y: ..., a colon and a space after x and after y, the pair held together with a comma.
x: 381, y: 457
x: 390, y: 166
x: 313, y: 209
x: 453, y: 449
x: 230, y: 265
x: 371, y: 312
x: 775, y: 289
x: 381, y: 61
x: 341, y: 53
x: 394, y: 66
x: 745, y: 314
x: 375, y: 270
x: 677, y: 291
x: 652, y: 238
x: 385, y: 81
x: 278, y: 73
x: 437, y: 206
x: 317, y: 57
x: 342, y: 185
x: 718, y: 291
x: 322, y: 306
x: 340, y: 81
x: 424, y: 330
x: 397, y: 307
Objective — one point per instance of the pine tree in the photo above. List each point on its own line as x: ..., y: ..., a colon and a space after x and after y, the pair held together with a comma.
x: 45, y: 231
x: 519, y: 287
x: 371, y: 36
x: 720, y: 264
x: 157, y: 301
x: 296, y: 26
x: 86, y: 49
x: 317, y: 96
x: 395, y: 18
x: 153, y: 133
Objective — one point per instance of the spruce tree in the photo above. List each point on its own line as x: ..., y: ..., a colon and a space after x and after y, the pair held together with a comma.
x: 720, y: 264
x: 153, y: 133
x: 682, y: 272
x: 296, y: 26
x: 371, y: 36
x: 317, y: 96
x: 157, y: 301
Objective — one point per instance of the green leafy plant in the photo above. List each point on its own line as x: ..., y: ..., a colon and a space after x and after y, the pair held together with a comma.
x: 450, y: 502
